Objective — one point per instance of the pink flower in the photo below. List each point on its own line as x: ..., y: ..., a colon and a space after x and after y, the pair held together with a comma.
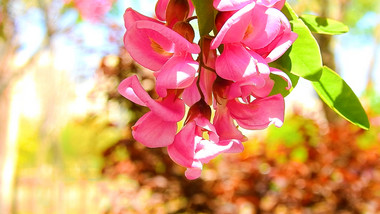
x: 229, y: 5
x: 251, y: 33
x: 257, y: 85
x: 248, y: 111
x: 247, y: 70
x: 277, y: 36
x: 161, y: 49
x: 191, y: 150
x: 158, y: 127
x: 151, y: 43
x: 263, y: 30
x: 93, y: 10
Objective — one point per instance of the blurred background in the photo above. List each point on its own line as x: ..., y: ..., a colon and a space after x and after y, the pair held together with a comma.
x: 66, y: 146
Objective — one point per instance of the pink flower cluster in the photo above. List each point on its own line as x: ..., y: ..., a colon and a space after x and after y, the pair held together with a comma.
x: 226, y: 86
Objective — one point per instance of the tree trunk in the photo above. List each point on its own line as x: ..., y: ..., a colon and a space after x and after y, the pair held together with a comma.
x: 7, y: 152
x: 328, y: 57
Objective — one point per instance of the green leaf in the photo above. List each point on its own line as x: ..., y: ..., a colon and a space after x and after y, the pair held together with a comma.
x: 299, y: 154
x: 289, y: 12
x: 323, y: 25
x: 206, y: 15
x: 335, y: 92
x: 304, y: 57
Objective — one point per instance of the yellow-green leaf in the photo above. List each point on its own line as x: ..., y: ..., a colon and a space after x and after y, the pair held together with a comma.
x: 335, y: 92
x: 323, y: 25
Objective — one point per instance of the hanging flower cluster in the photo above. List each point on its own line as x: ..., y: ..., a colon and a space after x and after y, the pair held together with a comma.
x: 227, y: 74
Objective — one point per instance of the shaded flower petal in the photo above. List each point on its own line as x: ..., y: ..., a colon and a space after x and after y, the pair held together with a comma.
x: 260, y: 113
x: 224, y: 125
x: 182, y: 150
x: 154, y: 132
x: 191, y: 94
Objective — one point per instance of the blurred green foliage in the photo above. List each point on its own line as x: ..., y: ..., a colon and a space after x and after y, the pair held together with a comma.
x: 84, y: 141
x: 28, y: 144
x: 81, y: 143
x: 297, y: 133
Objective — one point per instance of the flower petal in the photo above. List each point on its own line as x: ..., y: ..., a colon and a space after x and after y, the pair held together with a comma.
x: 131, y: 16
x: 228, y: 5
x: 191, y: 94
x: 154, y: 132
x: 207, y: 77
x: 161, y: 9
x: 278, y: 4
x: 206, y: 84
x: 265, y: 26
x: 210, y: 150
x: 278, y: 47
x: 178, y: 73
x: 143, y: 47
x: 170, y: 108
x: 193, y: 173
x: 260, y: 113
x: 235, y: 63
x: 181, y: 43
x: 234, y: 28
x: 182, y: 150
x: 224, y: 125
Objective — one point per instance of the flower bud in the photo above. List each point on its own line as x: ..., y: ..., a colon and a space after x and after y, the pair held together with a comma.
x: 177, y: 11
x: 220, y: 88
x: 185, y: 30
x: 199, y: 109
